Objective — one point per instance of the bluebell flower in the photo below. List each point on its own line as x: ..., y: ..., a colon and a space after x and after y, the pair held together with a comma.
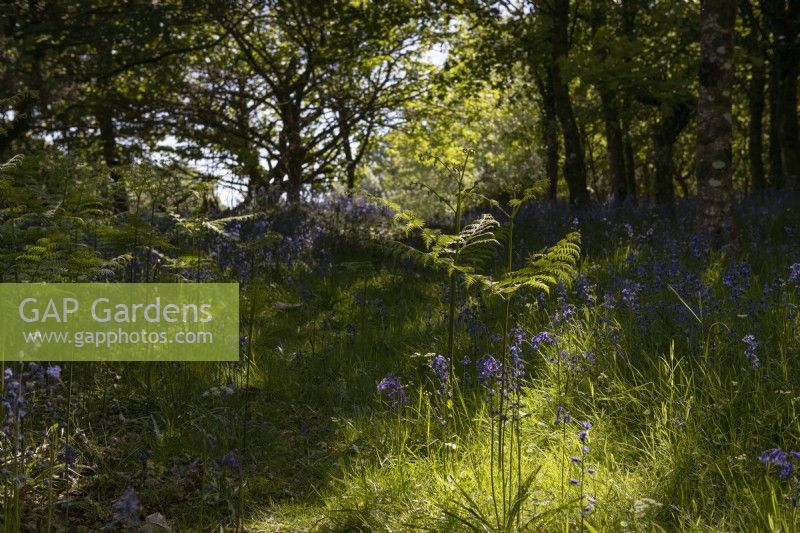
x: 750, y: 351
x: 584, y: 290
x: 543, y: 338
x: 230, y: 460
x: 68, y: 456
x: 54, y: 372
x: 489, y: 369
x: 778, y: 458
x: 630, y: 294
x: 794, y: 273
x: 515, y: 349
x: 584, y: 434
x: 441, y: 368
x: 393, y: 388
x: 562, y: 415
x: 609, y: 302
x: 566, y: 314
x: 737, y: 279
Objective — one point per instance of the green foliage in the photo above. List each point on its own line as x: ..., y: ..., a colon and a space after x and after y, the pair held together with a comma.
x: 542, y: 271
x: 471, y: 251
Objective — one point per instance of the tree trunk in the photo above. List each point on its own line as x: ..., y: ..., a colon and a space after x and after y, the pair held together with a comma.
x: 714, y: 123
x: 350, y: 162
x: 549, y: 133
x: 665, y: 134
x: 574, y: 157
x: 775, y: 159
x: 630, y: 10
x: 615, y: 147
x: 663, y: 152
x: 790, y: 142
x: 292, y: 151
x: 108, y: 141
x: 755, y: 127
x: 783, y: 21
x: 630, y: 163
x: 755, y: 96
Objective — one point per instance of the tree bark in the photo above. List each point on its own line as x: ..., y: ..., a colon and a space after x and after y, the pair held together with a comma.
x: 550, y: 140
x: 714, y: 123
x: 292, y: 151
x: 755, y: 126
x: 787, y: 93
x: 574, y: 157
x: 615, y: 146
x: 774, y: 150
x: 665, y: 134
x: 755, y: 97
x: 110, y: 149
x: 630, y: 163
x: 783, y: 21
x: 630, y: 10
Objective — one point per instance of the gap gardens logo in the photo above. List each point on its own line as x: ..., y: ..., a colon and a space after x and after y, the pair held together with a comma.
x: 119, y: 322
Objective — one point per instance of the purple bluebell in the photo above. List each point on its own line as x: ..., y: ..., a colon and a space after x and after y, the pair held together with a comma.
x: 489, y: 369
x: 393, y: 388
x: 230, y: 460
x: 562, y: 416
x: 441, y: 368
x: 778, y: 458
x: 751, y: 349
x: 54, y: 372
x: 543, y: 338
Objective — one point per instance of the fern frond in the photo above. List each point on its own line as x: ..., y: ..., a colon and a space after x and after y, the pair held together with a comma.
x: 544, y: 270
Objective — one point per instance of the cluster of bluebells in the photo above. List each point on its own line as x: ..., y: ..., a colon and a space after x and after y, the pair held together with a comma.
x: 566, y: 313
x: 584, y: 290
x: 305, y: 235
x: 393, y: 388
x: 630, y: 294
x: 737, y: 279
x: 794, y: 274
x: 490, y: 371
x: 231, y: 461
x: 564, y: 418
x: 543, y: 338
x: 783, y: 462
x: 574, y: 362
x: 751, y: 349
x: 19, y: 392
x: 441, y: 369
x: 515, y: 351
x: 468, y: 319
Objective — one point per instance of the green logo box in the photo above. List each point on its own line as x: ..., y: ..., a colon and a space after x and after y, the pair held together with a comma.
x: 119, y: 321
